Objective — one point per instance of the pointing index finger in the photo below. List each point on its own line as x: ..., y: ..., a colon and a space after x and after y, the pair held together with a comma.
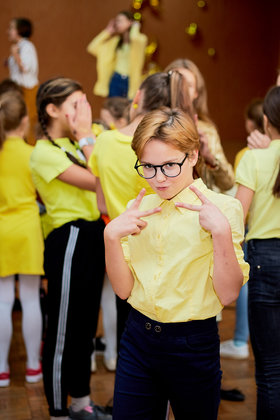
x: 199, y: 194
x: 136, y: 203
x: 150, y: 212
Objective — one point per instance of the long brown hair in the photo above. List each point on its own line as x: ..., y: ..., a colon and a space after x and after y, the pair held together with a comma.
x: 200, y: 103
x: 166, y: 89
x: 271, y: 108
x: 170, y: 126
x: 55, y: 91
x: 12, y: 111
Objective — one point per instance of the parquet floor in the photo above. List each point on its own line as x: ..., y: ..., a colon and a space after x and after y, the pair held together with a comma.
x: 23, y: 401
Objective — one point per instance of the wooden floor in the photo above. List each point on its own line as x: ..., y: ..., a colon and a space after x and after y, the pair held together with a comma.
x: 23, y: 401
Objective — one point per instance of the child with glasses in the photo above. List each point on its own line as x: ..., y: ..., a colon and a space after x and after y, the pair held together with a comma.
x: 176, y: 256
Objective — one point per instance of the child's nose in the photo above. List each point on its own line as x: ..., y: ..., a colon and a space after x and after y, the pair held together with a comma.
x: 160, y: 175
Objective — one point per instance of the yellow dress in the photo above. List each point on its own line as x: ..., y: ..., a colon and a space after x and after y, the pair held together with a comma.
x: 21, y: 240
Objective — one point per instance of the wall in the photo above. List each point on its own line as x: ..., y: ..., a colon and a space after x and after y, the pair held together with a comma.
x: 244, y: 33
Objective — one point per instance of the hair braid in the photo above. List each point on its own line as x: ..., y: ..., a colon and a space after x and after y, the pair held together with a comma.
x: 46, y: 133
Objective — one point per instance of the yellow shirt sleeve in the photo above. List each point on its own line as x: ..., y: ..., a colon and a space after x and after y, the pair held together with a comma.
x: 49, y: 163
x: 234, y: 214
x: 247, y: 170
x: 92, y: 162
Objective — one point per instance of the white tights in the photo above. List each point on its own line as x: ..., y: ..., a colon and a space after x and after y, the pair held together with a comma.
x: 31, y: 318
x: 109, y: 316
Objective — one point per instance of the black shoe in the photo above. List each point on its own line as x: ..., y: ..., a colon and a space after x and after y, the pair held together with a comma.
x: 232, y: 395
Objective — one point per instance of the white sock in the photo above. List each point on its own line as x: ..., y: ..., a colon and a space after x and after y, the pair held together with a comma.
x: 7, y: 297
x: 29, y: 287
x: 78, y: 404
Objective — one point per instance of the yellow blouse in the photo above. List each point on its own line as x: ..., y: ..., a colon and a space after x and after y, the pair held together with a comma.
x: 172, y: 259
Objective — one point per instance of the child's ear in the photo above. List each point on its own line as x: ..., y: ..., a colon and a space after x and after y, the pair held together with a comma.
x: 193, y: 157
x: 51, y: 110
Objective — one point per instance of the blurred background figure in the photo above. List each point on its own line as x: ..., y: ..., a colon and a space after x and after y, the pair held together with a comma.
x: 23, y: 67
x: 120, y: 54
x: 21, y: 240
x: 115, y: 112
x: 238, y: 348
x: 114, y: 115
x: 217, y: 173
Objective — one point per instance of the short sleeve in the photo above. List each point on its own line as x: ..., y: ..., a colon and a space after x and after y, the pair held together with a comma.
x: 92, y: 162
x: 29, y: 58
x: 125, y: 248
x: 246, y: 171
x: 49, y: 163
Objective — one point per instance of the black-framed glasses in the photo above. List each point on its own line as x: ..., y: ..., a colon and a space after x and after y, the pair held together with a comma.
x: 169, y: 169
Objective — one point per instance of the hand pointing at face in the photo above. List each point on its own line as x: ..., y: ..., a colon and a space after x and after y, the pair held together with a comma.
x: 130, y: 222
x: 210, y: 216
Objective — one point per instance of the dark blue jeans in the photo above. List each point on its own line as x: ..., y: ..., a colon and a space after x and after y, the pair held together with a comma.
x: 158, y: 362
x: 118, y: 85
x: 264, y: 323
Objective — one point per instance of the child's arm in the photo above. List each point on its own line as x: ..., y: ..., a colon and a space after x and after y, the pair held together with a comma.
x: 227, y: 276
x: 80, y: 126
x: 128, y: 223
x: 101, y: 203
x: 245, y: 196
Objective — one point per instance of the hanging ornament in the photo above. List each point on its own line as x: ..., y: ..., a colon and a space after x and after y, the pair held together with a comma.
x: 137, y: 16
x: 211, y: 52
x: 201, y: 4
x: 151, y: 48
x: 154, y: 3
x: 192, y: 29
x: 137, y: 4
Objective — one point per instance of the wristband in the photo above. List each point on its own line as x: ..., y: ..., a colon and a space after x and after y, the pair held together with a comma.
x: 86, y: 141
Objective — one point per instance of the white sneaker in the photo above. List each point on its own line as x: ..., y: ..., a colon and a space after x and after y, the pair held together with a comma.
x: 110, y: 364
x: 4, y: 379
x: 229, y: 350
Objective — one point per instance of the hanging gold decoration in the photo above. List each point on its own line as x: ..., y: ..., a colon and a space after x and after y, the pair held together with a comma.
x: 154, y: 3
x: 137, y: 4
x: 211, y: 52
x: 201, y: 4
x: 137, y: 16
x: 151, y: 48
x: 191, y: 29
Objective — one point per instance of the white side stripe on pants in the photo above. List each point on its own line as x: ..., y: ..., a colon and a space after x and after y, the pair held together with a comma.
x: 62, y: 320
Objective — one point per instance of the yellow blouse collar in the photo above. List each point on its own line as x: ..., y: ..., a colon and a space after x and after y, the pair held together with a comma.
x: 186, y: 196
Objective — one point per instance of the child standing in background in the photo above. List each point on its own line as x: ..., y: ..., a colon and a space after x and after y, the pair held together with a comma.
x: 21, y: 240
x: 120, y: 54
x: 74, y: 249
x: 23, y: 67
x: 258, y: 177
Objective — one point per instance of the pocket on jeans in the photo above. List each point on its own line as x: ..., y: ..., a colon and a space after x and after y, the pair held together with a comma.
x: 203, y: 342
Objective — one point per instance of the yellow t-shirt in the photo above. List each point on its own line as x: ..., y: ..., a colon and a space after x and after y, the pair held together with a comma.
x: 238, y: 157
x: 258, y: 170
x: 64, y: 202
x: 172, y: 259
x: 21, y: 240
x: 113, y: 161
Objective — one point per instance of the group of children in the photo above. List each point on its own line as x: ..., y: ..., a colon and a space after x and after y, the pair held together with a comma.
x: 172, y: 248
